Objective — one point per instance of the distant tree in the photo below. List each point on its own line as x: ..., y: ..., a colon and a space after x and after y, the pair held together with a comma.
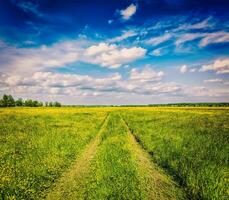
x: 35, y: 104
x: 56, y: 104
x: 19, y: 102
x: 46, y: 104
x: 1, y: 103
x: 8, y: 101
x: 26, y: 103
x: 50, y: 104
x: 29, y: 102
x: 5, y: 100
x: 11, y: 102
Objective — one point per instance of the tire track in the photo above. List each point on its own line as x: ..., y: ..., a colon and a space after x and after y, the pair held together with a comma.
x: 73, y: 179
x: 157, y: 184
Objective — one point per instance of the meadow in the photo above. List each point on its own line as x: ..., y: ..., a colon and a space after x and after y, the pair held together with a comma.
x: 114, y: 153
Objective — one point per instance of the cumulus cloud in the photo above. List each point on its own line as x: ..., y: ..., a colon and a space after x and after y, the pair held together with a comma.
x: 59, y: 82
x: 186, y: 69
x: 34, y: 59
x: 220, y: 66
x: 50, y: 79
x: 111, y: 56
x: 145, y: 75
x: 63, y: 53
x: 100, y: 48
x: 201, y: 91
x: 127, y: 13
x: 183, y: 69
x: 144, y: 81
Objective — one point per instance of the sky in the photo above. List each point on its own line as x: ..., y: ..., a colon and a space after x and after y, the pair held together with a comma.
x: 115, y: 52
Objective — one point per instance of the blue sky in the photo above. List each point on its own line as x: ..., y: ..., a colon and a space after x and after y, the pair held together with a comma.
x: 115, y: 52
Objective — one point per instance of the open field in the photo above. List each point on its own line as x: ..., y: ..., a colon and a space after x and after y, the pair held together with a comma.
x: 114, y: 153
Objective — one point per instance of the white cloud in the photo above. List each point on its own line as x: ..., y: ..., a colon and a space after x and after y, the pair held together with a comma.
x: 147, y: 74
x: 213, y: 81
x: 77, y: 88
x: 100, y: 48
x: 183, y: 69
x: 220, y: 66
x: 111, y: 56
x: 21, y: 60
x: 188, y: 37
x: 128, y: 12
x: 156, y: 52
x: 200, y: 25
x: 158, y: 40
x: 193, y: 70
x: 50, y: 79
x: 214, y: 38
x: 204, y: 92
x: 205, y: 38
x: 144, y: 81
x: 125, y: 35
x: 13, y: 80
x: 160, y: 51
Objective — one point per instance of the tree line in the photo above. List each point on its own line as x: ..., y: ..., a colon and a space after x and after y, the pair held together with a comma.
x: 9, y: 101
x: 200, y: 104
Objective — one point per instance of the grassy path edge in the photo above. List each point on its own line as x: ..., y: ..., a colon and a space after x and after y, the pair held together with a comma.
x: 159, y: 185
x: 74, y: 176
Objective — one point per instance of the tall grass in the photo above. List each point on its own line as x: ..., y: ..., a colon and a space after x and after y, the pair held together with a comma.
x: 37, y: 145
x: 119, y: 170
x: 191, y: 144
x: 114, y: 173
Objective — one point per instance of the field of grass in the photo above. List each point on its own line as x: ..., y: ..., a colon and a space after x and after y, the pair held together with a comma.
x: 114, y: 153
x: 190, y: 144
x: 37, y: 145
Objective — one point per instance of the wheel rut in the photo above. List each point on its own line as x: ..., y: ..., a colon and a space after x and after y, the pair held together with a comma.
x: 158, y: 185
x: 74, y: 176
x: 154, y: 182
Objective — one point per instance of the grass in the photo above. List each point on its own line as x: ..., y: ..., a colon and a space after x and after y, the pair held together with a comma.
x: 72, y: 183
x: 191, y: 144
x: 37, y: 145
x: 119, y: 169
x: 134, y: 153
x: 115, y: 176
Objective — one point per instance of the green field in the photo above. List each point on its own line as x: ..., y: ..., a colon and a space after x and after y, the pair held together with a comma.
x: 114, y: 153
